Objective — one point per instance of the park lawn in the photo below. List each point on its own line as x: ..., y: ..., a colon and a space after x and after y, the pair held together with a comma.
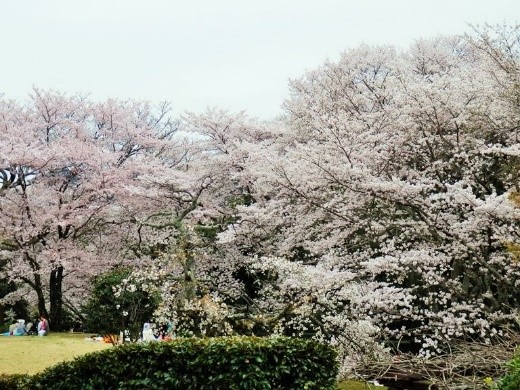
x: 356, y: 385
x: 32, y: 354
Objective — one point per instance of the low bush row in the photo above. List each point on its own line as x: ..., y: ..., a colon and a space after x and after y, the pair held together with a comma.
x: 211, y: 363
x: 14, y: 382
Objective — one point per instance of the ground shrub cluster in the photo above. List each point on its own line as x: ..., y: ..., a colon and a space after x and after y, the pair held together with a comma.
x: 211, y: 363
x: 512, y: 380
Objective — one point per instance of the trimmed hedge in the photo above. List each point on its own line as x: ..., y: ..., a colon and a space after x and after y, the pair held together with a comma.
x: 512, y: 380
x: 211, y: 363
x: 14, y: 382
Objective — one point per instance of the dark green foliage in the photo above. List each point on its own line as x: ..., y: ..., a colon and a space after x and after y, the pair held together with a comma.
x: 210, y: 363
x: 104, y: 311
x: 512, y: 380
x: 20, y: 308
x: 14, y: 382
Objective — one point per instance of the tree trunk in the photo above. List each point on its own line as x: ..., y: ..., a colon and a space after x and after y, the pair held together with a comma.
x: 42, y: 309
x: 36, y: 285
x: 190, y: 283
x: 56, y: 298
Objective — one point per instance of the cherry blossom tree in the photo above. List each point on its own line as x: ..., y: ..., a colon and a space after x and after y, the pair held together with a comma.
x: 85, y: 159
x: 378, y: 212
x: 396, y: 169
x: 198, y: 279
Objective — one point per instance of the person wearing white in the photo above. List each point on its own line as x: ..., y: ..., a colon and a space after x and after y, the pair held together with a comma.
x: 148, y: 332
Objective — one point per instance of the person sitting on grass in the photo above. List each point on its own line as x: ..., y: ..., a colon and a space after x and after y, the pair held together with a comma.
x: 20, y: 329
x: 12, y: 328
x: 43, y: 326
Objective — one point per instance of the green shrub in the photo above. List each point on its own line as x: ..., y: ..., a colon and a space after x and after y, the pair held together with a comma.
x: 512, y: 380
x: 14, y: 382
x: 210, y: 363
x: 109, y: 313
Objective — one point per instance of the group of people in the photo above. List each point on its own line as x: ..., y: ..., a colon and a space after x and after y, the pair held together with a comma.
x: 163, y: 332
x: 21, y: 329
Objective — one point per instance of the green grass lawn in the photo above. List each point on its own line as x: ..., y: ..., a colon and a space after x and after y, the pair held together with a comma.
x: 356, y: 385
x: 32, y: 354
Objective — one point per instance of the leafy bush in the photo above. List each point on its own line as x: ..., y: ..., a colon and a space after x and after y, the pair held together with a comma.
x: 512, y: 380
x: 118, y: 304
x: 10, y: 312
x: 14, y: 382
x: 210, y: 363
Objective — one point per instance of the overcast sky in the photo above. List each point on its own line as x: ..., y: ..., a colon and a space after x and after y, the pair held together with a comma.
x: 236, y: 54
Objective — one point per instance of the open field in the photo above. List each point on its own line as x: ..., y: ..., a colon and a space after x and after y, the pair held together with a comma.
x: 32, y: 354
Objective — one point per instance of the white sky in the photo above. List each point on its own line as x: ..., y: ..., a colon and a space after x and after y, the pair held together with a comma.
x: 236, y: 54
